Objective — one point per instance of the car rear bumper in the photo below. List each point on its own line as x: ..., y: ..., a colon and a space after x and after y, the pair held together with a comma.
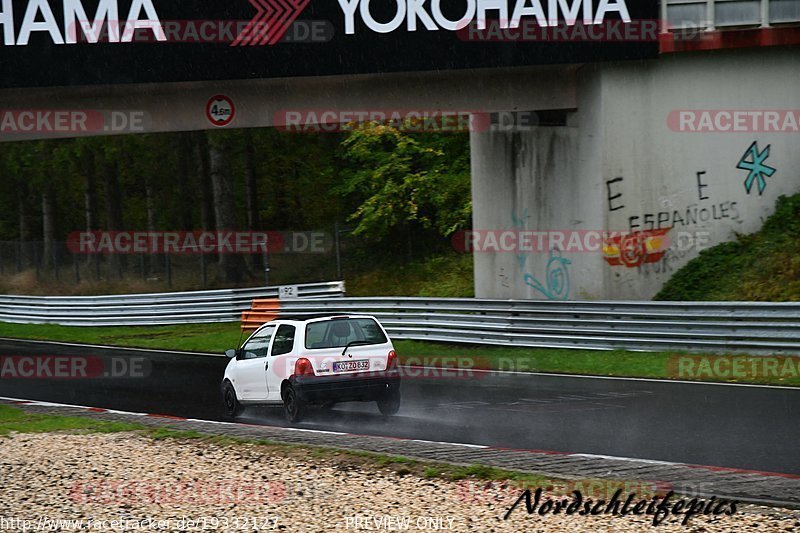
x: 363, y: 386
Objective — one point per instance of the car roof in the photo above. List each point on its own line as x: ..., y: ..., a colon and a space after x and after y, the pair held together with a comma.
x: 316, y: 317
x: 305, y: 319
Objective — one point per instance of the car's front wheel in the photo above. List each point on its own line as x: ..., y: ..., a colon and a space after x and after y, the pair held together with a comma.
x: 390, y: 403
x: 232, y: 405
x: 293, y: 407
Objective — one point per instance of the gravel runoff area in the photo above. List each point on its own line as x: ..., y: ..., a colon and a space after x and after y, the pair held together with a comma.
x: 130, y: 481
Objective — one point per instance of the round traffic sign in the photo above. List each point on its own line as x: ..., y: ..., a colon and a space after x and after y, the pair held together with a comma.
x: 220, y: 110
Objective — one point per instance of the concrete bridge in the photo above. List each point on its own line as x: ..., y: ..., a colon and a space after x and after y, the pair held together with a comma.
x: 615, y: 149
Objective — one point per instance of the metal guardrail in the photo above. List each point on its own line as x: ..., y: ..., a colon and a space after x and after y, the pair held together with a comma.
x: 732, y: 327
x: 729, y: 327
x: 148, y: 309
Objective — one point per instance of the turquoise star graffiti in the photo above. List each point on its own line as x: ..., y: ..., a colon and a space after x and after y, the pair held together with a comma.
x: 758, y: 171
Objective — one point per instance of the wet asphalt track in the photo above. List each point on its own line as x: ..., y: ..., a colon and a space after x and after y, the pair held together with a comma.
x: 737, y: 427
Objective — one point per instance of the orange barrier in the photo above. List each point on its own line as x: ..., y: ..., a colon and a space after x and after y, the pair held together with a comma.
x: 261, y: 312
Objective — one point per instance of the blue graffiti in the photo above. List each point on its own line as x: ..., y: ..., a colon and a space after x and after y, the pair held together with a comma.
x: 520, y: 223
x: 558, y: 282
x: 758, y: 170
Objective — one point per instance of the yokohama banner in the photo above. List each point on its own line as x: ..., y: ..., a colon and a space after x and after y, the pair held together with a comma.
x: 86, y: 42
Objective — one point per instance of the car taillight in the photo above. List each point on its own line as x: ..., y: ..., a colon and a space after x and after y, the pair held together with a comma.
x: 302, y: 367
x: 391, y: 361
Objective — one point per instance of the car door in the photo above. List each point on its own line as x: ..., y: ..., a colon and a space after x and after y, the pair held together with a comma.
x: 281, y: 361
x: 252, y: 365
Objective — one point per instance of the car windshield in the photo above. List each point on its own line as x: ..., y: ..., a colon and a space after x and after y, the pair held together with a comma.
x: 339, y: 333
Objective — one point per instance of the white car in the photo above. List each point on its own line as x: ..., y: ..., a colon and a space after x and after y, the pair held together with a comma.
x: 321, y: 360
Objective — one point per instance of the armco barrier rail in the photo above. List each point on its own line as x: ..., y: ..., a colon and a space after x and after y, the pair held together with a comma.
x: 148, y: 309
x: 724, y: 327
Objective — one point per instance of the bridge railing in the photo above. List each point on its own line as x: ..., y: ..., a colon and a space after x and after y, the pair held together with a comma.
x: 149, y: 309
x: 721, y: 327
x: 720, y: 14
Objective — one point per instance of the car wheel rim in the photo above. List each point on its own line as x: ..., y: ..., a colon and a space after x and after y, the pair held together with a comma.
x: 229, y: 400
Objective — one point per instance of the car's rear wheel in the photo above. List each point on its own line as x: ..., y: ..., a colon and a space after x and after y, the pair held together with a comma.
x: 390, y: 403
x: 293, y: 407
x: 232, y: 405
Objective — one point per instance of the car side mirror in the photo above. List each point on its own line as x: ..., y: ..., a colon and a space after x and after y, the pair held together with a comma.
x: 230, y: 353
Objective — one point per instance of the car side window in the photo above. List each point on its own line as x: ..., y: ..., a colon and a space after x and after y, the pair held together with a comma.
x: 284, y: 340
x: 258, y: 344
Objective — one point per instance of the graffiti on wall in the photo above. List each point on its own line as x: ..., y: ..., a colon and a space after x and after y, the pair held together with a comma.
x: 670, y: 262
x: 637, y: 248
x: 753, y: 161
x: 556, y: 284
x: 690, y: 215
x: 646, y: 245
x: 557, y: 281
x: 520, y: 223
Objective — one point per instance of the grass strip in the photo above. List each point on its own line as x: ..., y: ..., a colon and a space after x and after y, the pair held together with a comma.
x: 216, y: 338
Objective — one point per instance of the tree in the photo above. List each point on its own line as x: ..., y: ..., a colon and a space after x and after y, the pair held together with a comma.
x: 231, y: 266
x: 407, y: 182
x: 109, y: 163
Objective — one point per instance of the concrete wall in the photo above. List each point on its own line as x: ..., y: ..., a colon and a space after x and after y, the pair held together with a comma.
x: 618, y: 143
x: 169, y: 107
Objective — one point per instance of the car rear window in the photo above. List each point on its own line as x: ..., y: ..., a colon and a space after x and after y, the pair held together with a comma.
x: 340, y: 332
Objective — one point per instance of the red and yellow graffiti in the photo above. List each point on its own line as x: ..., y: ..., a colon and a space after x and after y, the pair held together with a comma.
x: 637, y: 248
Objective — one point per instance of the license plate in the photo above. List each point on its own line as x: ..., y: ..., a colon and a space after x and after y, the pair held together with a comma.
x: 349, y: 366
